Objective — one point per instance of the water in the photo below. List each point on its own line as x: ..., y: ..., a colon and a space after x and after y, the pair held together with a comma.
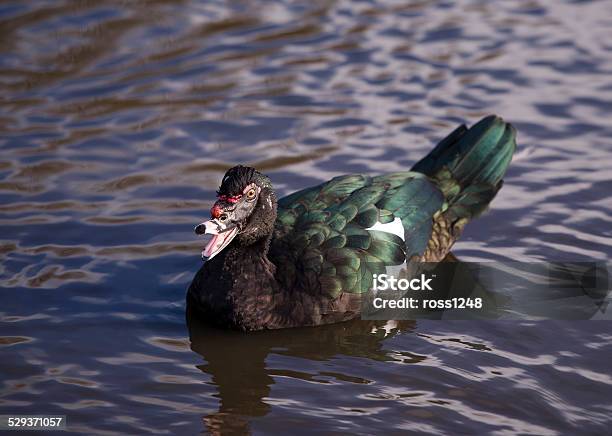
x: 118, y: 120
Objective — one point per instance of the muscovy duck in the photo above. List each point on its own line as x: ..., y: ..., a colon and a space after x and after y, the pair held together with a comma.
x: 305, y: 259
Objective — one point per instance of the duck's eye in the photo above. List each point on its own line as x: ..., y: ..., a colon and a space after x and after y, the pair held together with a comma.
x: 251, y: 194
x: 223, y: 217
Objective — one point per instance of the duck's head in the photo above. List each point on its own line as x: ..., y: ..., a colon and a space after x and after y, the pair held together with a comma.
x: 245, y: 209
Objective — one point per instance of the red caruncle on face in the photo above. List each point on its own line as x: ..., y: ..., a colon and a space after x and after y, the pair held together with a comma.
x: 217, y: 210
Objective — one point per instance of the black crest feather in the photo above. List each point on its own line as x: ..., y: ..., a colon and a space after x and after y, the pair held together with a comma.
x: 237, y: 178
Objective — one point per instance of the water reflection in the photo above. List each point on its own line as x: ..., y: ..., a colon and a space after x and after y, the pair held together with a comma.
x: 237, y: 361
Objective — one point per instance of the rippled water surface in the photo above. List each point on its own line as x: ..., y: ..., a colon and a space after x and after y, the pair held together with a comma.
x: 118, y: 119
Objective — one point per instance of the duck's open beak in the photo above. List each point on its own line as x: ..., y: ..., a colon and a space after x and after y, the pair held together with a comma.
x: 221, y: 237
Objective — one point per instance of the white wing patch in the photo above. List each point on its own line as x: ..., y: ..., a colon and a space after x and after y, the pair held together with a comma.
x: 394, y: 227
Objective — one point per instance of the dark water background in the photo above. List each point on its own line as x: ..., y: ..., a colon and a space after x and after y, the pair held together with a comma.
x: 118, y: 119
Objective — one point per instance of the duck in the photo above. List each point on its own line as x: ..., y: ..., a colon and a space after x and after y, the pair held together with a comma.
x: 308, y: 258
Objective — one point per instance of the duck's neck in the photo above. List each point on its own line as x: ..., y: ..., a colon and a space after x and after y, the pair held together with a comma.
x: 240, y: 258
x: 245, y: 286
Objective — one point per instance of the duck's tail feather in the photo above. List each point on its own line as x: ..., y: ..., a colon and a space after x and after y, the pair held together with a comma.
x: 469, y: 165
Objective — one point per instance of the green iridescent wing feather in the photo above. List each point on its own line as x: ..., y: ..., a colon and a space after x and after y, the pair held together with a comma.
x: 324, y: 228
x: 321, y: 241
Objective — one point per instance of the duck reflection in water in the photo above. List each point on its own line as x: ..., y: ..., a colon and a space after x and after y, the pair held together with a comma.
x: 237, y: 361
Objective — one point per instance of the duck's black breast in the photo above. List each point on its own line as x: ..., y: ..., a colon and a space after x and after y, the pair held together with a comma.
x: 237, y: 289
x: 206, y: 294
